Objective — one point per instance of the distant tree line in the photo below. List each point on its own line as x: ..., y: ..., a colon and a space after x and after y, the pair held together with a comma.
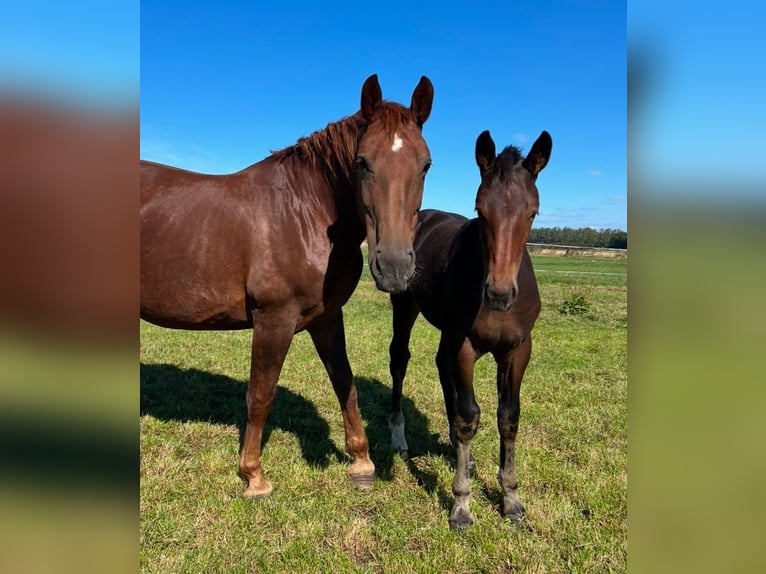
x: 580, y: 237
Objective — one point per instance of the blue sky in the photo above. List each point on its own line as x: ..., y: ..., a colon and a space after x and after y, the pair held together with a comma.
x: 223, y: 83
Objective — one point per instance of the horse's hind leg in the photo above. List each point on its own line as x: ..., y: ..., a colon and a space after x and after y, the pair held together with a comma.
x: 271, y: 341
x: 510, y: 371
x: 330, y: 342
x: 405, y: 311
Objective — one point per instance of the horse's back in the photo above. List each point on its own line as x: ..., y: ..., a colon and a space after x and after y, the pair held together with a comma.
x: 435, y: 225
x: 438, y: 243
x: 209, y: 243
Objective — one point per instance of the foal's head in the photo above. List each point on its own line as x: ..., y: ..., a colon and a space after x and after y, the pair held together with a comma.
x: 507, y: 203
x: 391, y: 164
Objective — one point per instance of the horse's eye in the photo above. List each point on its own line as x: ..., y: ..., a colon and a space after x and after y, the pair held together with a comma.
x: 532, y: 217
x: 361, y: 164
x: 426, y: 167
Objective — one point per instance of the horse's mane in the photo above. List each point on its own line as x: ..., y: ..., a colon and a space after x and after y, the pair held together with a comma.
x: 334, y: 147
x: 505, y: 162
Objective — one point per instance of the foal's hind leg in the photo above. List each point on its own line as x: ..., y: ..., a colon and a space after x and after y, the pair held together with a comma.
x: 271, y: 341
x: 405, y: 312
x: 510, y: 371
x: 330, y: 342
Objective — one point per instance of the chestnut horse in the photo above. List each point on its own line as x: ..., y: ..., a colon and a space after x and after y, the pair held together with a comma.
x: 475, y: 283
x: 276, y: 248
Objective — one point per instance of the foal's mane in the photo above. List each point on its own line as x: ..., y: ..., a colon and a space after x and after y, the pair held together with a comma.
x: 334, y: 147
x: 504, y: 163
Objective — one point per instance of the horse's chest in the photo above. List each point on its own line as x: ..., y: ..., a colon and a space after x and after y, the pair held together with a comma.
x: 330, y: 284
x: 494, y: 331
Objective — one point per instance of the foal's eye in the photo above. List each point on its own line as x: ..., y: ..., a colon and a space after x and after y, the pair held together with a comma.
x: 426, y: 167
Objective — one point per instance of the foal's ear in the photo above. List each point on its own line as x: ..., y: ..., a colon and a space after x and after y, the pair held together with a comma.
x: 485, y: 152
x: 422, y: 98
x: 372, y: 97
x: 538, y: 156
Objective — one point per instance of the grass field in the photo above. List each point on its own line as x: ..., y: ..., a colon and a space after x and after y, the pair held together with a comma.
x: 571, y: 450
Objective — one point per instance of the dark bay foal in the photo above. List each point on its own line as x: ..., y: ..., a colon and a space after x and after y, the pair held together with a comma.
x: 474, y: 282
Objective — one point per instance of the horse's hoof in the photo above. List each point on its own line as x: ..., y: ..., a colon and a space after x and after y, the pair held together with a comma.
x: 403, y: 454
x: 261, y: 490
x: 363, y: 481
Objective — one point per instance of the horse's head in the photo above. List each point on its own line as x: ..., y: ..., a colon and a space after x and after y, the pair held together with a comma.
x: 507, y: 203
x: 391, y: 163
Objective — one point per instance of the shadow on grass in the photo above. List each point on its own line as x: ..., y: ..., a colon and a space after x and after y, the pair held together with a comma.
x: 375, y: 406
x: 171, y: 393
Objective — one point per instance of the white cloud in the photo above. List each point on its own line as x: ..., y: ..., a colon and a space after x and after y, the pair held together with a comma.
x: 595, y: 172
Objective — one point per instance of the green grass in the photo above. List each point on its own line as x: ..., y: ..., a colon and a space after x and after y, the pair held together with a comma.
x: 571, y: 456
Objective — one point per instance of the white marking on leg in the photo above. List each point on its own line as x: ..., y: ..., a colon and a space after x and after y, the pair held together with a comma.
x: 398, y: 143
x: 396, y: 426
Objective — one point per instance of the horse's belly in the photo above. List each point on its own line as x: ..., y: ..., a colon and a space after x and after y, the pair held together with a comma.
x: 186, y: 292
x: 180, y: 309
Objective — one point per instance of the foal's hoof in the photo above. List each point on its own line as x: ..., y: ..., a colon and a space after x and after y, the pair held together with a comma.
x: 514, y: 512
x: 459, y: 519
x: 261, y: 489
x: 363, y: 481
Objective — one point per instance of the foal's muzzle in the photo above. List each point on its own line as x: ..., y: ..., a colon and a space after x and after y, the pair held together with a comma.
x: 500, y: 300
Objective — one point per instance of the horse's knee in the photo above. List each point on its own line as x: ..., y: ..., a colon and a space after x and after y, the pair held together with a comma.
x: 467, y: 421
x: 400, y: 357
x: 508, y: 421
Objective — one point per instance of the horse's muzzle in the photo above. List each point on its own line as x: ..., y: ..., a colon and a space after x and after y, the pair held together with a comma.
x: 391, y: 272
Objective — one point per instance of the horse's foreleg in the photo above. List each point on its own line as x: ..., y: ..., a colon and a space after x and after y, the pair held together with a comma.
x: 330, y: 342
x: 444, y: 364
x: 510, y: 371
x: 405, y: 311
x: 271, y: 341
x: 444, y: 361
x: 466, y: 421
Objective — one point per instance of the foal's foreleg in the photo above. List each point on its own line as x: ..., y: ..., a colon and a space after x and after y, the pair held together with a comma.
x: 330, y: 342
x: 510, y: 371
x: 465, y: 423
x: 445, y: 365
x: 271, y: 341
x: 405, y: 311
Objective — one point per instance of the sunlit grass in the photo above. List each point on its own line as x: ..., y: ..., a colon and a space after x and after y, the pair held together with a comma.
x: 572, y: 450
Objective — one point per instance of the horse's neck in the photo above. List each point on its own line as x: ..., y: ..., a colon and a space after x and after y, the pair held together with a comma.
x: 467, y: 253
x: 348, y: 227
x: 348, y: 222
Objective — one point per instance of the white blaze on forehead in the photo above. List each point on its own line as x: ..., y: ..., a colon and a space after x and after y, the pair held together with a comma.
x: 398, y: 143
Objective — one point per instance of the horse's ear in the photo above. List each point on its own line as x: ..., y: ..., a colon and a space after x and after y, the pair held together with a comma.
x: 538, y: 156
x: 422, y: 98
x: 372, y: 97
x: 485, y: 152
